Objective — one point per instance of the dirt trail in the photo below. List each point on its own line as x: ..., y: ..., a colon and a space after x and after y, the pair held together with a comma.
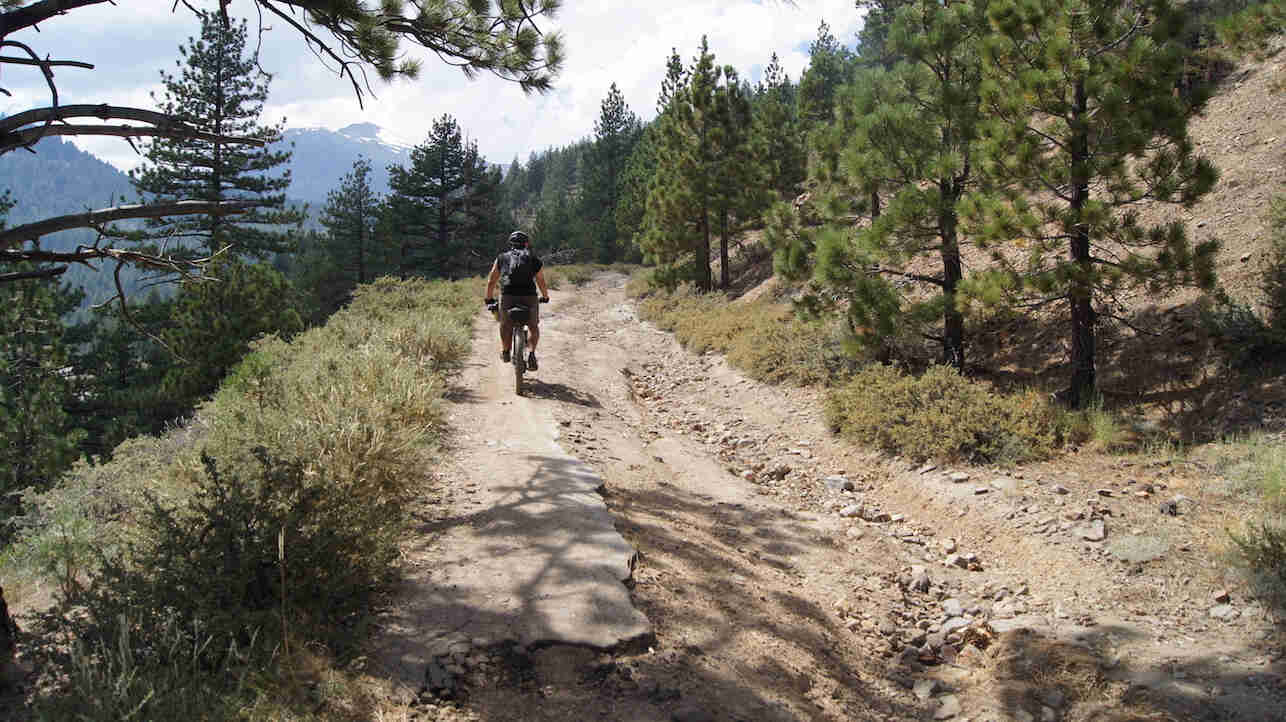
x: 789, y: 576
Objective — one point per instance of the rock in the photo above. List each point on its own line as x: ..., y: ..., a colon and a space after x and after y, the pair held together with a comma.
x: 965, y: 560
x: 691, y: 712
x: 1220, y: 596
x: 924, y: 689
x: 839, y: 483
x: 1032, y: 622
x: 851, y: 511
x: 948, y: 707
x: 1169, y: 508
x: 958, y: 477
x: 439, y: 679
x: 920, y: 581
x: 1060, y: 489
x: 1022, y: 715
x: 981, y: 490
x: 1053, y: 698
x: 949, y: 545
x: 927, y: 468
x: 1105, y: 492
x: 874, y: 515
x: 1224, y: 612
x: 1048, y: 715
x: 955, y: 624
x: 952, y: 607
x: 779, y: 472
x: 1094, y: 531
x: 854, y: 533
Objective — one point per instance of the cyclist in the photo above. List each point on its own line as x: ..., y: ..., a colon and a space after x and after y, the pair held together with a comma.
x: 518, y: 272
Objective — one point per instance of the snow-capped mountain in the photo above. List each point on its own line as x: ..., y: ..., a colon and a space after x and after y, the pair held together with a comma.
x: 322, y: 157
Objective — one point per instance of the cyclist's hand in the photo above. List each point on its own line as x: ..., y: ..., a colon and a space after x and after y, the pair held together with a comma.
x: 544, y: 299
x: 488, y: 301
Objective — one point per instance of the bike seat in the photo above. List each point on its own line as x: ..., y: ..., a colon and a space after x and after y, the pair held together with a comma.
x: 519, y: 314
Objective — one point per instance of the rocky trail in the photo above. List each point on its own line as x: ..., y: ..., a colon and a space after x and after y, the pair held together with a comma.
x: 649, y: 535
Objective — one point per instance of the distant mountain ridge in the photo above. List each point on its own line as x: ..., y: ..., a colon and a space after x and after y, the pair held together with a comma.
x: 322, y: 157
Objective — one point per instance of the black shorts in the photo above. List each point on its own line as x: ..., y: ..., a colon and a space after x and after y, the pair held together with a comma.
x: 507, y: 302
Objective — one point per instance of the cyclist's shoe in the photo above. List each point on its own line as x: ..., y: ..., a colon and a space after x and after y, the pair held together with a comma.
x: 531, y: 361
x: 504, y: 357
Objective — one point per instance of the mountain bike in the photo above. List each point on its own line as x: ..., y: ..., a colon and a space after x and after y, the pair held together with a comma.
x: 518, y: 315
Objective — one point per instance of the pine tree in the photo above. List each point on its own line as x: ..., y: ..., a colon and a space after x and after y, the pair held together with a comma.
x: 220, y: 90
x: 1086, y: 124
x: 739, y: 189
x: 38, y: 439
x: 215, y: 318
x: 351, y: 252
x: 681, y: 194
x: 615, y: 133
x: 914, y: 131
x: 829, y: 64
x: 778, y: 139
x: 427, y: 203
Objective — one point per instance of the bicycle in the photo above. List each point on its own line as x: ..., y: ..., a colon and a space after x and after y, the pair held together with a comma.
x: 518, y: 315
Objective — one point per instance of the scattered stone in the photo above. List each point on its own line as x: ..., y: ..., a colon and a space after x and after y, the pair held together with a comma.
x: 691, y: 712
x: 839, y: 483
x: 981, y: 490
x: 949, y: 545
x: 1048, y: 715
x: 924, y: 689
x: 1138, y: 549
x: 955, y: 624
x: 1060, y: 489
x: 779, y: 472
x: 1022, y: 715
x: 952, y: 607
x: 854, y: 533
x: 920, y: 581
x: 967, y: 560
x: 927, y: 468
x: 1169, y: 508
x: 1053, y: 698
x: 948, y: 707
x: 851, y: 511
x: 1095, y: 531
x: 439, y: 679
x: 874, y: 516
x: 958, y: 477
x: 1221, y: 596
x: 1224, y: 612
x: 1032, y: 622
x: 1105, y: 492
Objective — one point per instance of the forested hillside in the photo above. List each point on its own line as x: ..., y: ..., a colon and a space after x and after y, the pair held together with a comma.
x: 998, y: 232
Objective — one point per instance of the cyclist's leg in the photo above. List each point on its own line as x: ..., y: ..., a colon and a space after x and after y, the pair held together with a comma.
x: 533, y: 325
x: 506, y: 326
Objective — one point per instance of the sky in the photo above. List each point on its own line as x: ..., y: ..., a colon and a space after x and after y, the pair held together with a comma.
x: 605, y: 41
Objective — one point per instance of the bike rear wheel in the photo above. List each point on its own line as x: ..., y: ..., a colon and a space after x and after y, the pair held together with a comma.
x: 519, y: 357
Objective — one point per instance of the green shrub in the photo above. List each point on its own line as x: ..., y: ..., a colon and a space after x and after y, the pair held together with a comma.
x: 763, y: 337
x: 273, y: 515
x: 942, y: 415
x: 1262, y: 548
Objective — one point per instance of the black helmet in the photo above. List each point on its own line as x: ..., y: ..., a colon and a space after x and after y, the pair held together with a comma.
x: 518, y: 239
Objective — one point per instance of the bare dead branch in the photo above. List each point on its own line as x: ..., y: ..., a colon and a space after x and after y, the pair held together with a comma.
x: 25, y: 17
x: 101, y: 111
x: 92, y: 219
x: 20, y: 139
x: 51, y: 63
x: 39, y: 273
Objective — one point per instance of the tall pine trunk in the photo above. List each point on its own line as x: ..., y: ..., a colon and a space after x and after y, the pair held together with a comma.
x: 723, y: 249
x: 1080, y: 294
x: 953, y: 345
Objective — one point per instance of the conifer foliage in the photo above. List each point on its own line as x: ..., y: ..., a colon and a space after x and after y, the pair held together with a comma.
x: 1084, y: 124
x: 443, y: 213
x: 219, y: 90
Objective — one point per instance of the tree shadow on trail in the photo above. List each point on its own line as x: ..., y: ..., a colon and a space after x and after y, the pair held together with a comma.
x: 535, y: 388
x: 727, y: 640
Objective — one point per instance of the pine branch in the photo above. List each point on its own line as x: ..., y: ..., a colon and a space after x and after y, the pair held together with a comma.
x: 25, y: 17
x: 92, y: 219
x: 24, y: 275
x: 27, y: 138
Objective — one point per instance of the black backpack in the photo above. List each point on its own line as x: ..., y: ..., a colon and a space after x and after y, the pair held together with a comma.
x: 517, y: 268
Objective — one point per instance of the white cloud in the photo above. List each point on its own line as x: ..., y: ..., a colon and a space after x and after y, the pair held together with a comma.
x: 605, y: 42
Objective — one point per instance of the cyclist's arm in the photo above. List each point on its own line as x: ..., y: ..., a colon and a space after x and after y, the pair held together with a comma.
x: 493, y: 279
x: 540, y: 282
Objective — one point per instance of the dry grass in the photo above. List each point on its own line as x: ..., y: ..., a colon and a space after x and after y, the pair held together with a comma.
x: 301, y: 462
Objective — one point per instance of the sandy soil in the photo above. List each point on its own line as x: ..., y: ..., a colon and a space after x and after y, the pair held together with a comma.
x: 775, y: 593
